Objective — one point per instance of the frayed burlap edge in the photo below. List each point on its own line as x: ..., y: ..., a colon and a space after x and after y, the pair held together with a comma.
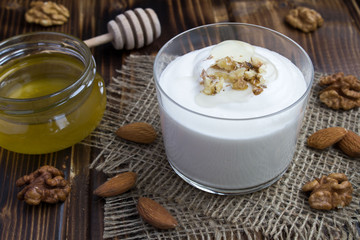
x: 280, y: 211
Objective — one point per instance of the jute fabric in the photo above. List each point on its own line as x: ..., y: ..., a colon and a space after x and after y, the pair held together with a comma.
x: 280, y: 211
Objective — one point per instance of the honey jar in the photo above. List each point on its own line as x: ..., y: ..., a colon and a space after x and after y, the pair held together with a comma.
x: 51, y: 96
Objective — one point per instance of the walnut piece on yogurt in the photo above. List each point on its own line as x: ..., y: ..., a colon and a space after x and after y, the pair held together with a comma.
x: 227, y: 72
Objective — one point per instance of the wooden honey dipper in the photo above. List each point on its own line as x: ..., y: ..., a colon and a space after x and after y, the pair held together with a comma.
x: 132, y: 29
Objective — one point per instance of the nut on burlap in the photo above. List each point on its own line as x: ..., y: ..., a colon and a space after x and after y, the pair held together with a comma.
x: 329, y: 192
x: 341, y: 92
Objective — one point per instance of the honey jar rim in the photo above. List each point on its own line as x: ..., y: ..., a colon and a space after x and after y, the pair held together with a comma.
x: 83, y: 50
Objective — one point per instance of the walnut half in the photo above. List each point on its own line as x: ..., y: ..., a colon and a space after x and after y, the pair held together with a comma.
x: 341, y: 92
x: 46, y: 184
x: 329, y: 192
x: 305, y: 19
x: 47, y: 13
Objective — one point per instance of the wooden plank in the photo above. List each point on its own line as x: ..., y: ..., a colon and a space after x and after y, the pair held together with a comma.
x: 71, y: 219
x: 334, y: 47
x: 31, y: 220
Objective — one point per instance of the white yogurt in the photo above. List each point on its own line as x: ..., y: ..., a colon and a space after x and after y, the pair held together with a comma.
x: 234, y: 141
x: 285, y: 84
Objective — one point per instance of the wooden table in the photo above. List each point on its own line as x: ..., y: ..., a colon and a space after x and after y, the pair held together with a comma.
x: 334, y: 47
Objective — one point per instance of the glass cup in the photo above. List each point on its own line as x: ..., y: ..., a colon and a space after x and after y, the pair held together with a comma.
x: 230, y: 155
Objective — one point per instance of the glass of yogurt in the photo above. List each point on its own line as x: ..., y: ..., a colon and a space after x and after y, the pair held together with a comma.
x: 232, y: 98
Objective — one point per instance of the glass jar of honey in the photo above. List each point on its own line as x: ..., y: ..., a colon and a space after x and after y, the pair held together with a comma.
x: 51, y: 96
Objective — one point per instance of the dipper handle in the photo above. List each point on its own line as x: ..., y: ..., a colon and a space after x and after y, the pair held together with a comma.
x: 132, y: 29
x: 99, y: 40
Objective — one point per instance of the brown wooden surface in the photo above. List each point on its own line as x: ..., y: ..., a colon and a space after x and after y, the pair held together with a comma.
x: 334, y: 47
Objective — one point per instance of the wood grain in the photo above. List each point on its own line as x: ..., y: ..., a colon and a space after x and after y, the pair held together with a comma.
x: 334, y: 47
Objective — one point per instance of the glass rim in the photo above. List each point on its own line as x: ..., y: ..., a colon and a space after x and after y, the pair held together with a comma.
x: 304, y: 95
x: 89, y: 61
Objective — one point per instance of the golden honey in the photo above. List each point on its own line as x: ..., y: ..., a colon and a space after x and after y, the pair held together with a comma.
x: 50, y: 94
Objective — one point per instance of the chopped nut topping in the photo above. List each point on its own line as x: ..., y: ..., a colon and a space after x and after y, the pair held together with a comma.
x: 305, y: 19
x: 47, y: 13
x: 342, y: 92
x: 238, y: 74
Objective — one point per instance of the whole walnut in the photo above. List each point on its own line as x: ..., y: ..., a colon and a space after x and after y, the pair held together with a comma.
x: 305, y: 19
x: 329, y: 192
x: 47, y: 184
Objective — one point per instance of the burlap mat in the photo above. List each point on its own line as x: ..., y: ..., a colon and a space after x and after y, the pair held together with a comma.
x: 278, y: 212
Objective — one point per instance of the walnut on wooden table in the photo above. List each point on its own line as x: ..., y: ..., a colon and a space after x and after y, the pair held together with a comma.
x: 329, y: 192
x: 305, y: 19
x: 47, y: 13
x: 341, y: 92
x: 47, y: 184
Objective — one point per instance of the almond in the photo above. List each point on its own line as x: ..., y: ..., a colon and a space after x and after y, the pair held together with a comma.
x: 139, y: 132
x: 350, y: 144
x: 155, y: 214
x: 117, y: 185
x: 326, y: 137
